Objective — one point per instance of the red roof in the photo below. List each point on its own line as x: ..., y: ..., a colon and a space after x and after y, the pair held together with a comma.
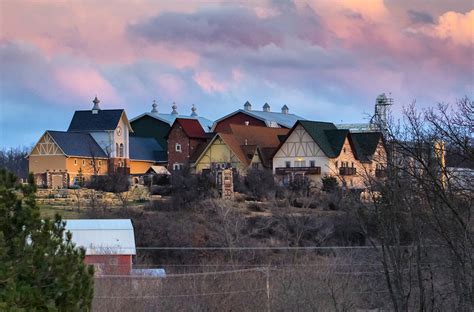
x: 192, y: 128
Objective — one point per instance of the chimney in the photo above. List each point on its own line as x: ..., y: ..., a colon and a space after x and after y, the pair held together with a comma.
x: 154, y: 106
x: 193, y: 111
x: 285, y: 109
x: 248, y: 106
x: 174, y: 107
x: 266, y: 107
x: 96, y: 107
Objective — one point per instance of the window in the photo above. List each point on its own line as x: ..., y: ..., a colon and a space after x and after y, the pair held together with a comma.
x: 178, y: 147
x: 121, y: 150
x: 177, y: 167
x: 344, y: 150
x: 100, y: 162
x: 83, y: 162
x: 92, y: 162
x: 288, y: 164
x: 75, y: 162
x: 337, y: 163
x: 117, y: 151
x: 255, y: 165
x: 300, y: 163
x: 352, y: 164
x: 312, y: 163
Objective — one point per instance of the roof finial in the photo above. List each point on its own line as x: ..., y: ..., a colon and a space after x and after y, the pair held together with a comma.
x: 96, y: 102
x: 154, y: 110
x: 193, y: 111
x: 248, y: 106
x: 174, y: 107
x: 285, y: 109
x: 266, y: 107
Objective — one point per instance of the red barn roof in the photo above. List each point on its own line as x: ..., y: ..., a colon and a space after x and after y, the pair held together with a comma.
x: 192, y: 128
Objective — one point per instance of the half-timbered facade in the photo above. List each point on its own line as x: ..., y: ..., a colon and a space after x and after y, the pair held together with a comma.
x: 316, y: 149
x: 97, y: 142
x: 241, y: 148
x: 60, y: 159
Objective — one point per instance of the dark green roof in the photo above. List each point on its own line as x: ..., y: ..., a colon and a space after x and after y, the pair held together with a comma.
x: 326, y: 135
x: 365, y: 144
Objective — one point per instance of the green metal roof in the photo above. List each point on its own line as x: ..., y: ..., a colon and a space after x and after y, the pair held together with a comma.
x: 326, y: 135
x: 365, y: 144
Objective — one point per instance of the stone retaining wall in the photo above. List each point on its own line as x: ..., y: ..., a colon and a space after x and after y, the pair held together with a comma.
x: 89, y: 197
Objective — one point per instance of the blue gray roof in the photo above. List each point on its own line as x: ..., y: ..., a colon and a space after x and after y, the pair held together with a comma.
x: 170, y: 118
x: 105, y: 119
x: 99, y: 224
x: 271, y: 119
x: 146, y: 149
x: 77, y: 144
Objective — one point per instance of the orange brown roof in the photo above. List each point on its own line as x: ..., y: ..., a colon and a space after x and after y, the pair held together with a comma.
x: 245, y: 140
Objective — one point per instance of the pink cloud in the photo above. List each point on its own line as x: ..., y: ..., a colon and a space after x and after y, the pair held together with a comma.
x: 83, y: 83
x: 208, y: 82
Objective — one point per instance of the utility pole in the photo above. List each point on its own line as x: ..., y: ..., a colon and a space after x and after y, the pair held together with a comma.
x: 267, y: 274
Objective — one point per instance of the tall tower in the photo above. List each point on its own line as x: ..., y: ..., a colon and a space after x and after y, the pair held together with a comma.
x: 379, y: 119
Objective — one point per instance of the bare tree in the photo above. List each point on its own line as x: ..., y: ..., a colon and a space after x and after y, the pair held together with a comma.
x: 420, y: 218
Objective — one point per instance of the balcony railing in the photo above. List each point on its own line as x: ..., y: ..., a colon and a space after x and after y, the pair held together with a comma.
x: 305, y: 170
x: 347, y: 171
x: 380, y: 173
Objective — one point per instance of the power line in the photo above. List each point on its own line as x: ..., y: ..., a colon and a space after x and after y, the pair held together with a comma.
x: 260, y: 248
x: 183, y: 295
x: 185, y: 274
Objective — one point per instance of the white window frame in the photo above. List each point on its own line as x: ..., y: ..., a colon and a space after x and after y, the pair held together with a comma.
x: 178, y: 148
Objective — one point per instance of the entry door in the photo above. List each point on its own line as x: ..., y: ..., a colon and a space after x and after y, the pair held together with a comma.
x: 57, y: 181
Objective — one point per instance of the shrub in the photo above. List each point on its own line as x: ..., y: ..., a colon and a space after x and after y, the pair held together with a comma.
x: 260, y: 183
x: 330, y: 184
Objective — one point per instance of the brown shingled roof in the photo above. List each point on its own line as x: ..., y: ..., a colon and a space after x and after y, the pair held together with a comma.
x: 244, y: 140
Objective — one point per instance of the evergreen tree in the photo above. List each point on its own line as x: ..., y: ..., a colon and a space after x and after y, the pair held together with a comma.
x: 40, y: 268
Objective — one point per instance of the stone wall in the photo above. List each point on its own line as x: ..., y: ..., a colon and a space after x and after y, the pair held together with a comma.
x: 89, y: 198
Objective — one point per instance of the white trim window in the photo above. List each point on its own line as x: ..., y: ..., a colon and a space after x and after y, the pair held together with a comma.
x: 177, y: 147
x: 177, y: 167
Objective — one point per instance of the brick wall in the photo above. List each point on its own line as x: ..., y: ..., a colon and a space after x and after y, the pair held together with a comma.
x: 188, y: 146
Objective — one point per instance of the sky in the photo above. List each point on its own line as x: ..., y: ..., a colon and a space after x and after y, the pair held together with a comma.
x: 326, y: 60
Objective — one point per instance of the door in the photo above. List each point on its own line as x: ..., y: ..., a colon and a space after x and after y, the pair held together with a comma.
x: 57, y: 181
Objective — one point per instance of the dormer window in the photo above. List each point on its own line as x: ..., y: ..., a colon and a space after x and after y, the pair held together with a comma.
x: 178, y: 147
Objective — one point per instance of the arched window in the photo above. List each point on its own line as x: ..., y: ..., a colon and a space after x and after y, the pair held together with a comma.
x: 117, y: 152
x: 121, y: 149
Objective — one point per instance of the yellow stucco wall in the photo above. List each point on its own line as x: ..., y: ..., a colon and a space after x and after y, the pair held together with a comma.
x: 42, y: 163
x: 218, y: 152
x: 139, y: 167
x: 74, y: 164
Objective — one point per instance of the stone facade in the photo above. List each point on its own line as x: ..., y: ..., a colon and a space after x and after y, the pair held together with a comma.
x: 55, y: 179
